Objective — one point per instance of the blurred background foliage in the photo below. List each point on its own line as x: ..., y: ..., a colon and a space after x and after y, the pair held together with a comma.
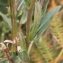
x: 48, y: 48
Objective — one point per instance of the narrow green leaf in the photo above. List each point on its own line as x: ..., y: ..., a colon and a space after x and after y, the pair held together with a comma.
x: 22, y: 12
x: 24, y: 17
x: 20, y: 4
x: 45, y: 21
x: 21, y: 7
x: 7, y: 20
x: 37, y: 17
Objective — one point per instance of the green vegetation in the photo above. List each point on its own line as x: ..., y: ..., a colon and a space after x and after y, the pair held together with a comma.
x: 22, y: 24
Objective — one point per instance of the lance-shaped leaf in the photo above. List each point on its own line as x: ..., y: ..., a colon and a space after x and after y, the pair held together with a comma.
x: 45, y: 21
x: 24, y: 17
x: 21, y: 7
x: 37, y: 17
x: 6, y: 19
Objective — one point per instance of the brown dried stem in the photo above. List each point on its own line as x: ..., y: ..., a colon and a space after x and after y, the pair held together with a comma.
x: 7, y: 52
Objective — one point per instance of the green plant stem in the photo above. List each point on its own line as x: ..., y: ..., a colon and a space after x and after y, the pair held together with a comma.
x: 13, y: 7
x: 13, y: 20
x: 29, y: 18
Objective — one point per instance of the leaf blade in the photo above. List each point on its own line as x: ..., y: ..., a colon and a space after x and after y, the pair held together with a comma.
x: 45, y: 21
x: 7, y: 20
